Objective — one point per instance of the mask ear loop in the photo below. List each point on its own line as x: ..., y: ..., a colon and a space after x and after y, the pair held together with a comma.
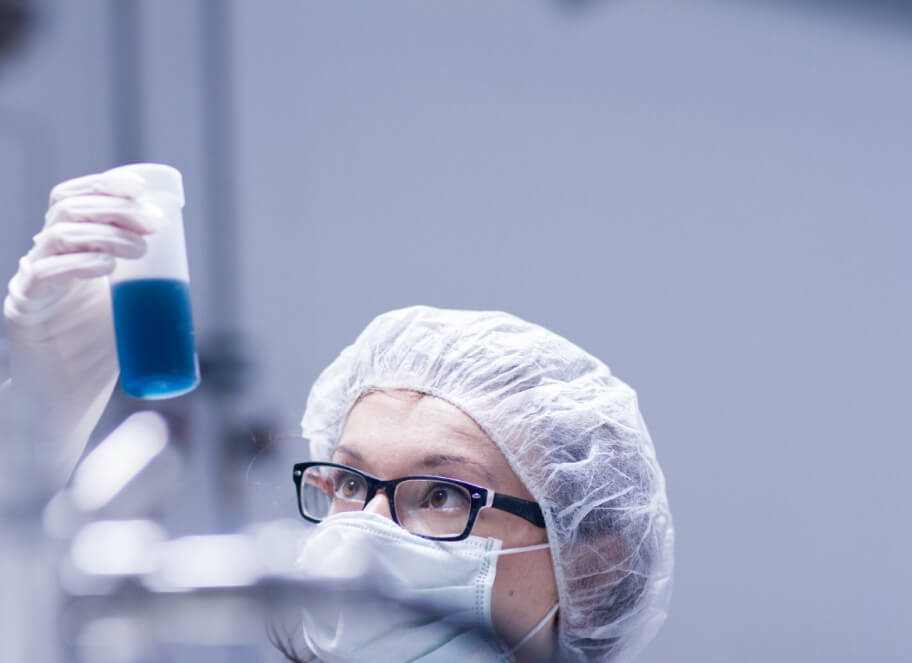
x: 548, y: 616
x: 535, y: 629
x: 513, y: 551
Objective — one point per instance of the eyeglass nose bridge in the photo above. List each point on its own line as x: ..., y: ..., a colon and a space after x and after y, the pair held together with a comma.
x: 388, y: 488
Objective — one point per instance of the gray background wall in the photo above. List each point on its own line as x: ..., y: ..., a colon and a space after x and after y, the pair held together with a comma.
x: 711, y: 196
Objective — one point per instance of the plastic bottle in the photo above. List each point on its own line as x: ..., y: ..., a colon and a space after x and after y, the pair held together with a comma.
x: 150, y: 296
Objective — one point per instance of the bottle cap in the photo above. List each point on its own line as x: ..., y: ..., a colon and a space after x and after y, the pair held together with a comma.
x: 159, y: 178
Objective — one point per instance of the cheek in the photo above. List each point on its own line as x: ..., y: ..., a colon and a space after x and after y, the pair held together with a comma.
x: 524, y: 590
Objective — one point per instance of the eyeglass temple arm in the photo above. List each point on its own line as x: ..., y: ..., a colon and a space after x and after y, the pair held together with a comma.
x: 519, y: 507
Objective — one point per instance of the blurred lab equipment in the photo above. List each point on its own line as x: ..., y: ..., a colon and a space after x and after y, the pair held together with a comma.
x: 150, y: 296
x: 122, y: 589
x: 126, y: 475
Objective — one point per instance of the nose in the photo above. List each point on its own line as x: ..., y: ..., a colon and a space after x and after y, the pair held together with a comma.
x: 379, y: 504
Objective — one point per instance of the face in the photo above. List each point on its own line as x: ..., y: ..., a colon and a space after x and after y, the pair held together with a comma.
x: 394, y: 433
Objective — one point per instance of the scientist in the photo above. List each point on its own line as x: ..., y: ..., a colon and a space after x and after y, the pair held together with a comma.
x: 470, y: 464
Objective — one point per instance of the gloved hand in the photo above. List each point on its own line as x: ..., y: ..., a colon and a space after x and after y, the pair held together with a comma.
x: 58, y: 312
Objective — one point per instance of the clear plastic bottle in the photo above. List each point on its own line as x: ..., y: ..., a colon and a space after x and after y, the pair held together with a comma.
x: 150, y: 297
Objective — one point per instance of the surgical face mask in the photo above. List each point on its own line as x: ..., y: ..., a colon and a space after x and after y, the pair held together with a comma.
x: 394, y: 596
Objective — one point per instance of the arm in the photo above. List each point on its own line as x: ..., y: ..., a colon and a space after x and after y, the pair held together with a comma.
x: 63, y: 362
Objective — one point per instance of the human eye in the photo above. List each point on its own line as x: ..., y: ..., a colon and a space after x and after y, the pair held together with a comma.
x: 348, y: 486
x: 442, y: 496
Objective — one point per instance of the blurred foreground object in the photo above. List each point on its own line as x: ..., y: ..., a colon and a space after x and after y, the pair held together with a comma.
x: 93, y: 576
x: 132, y: 594
x: 126, y: 475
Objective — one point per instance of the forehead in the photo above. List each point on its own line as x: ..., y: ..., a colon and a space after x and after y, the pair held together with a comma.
x: 395, y: 433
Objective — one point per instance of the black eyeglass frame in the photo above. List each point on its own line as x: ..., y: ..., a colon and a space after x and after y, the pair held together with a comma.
x: 481, y: 498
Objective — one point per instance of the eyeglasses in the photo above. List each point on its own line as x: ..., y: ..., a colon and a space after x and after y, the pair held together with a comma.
x: 430, y: 506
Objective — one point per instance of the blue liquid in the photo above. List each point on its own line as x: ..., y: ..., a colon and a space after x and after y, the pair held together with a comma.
x: 155, y: 344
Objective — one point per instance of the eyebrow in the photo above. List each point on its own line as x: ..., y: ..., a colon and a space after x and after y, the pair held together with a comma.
x: 433, y: 461
x: 348, y: 451
x: 439, y: 460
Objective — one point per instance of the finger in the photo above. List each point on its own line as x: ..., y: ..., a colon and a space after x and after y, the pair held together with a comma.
x: 139, y: 217
x: 74, y: 237
x: 48, y: 277
x: 121, y: 184
x: 73, y: 265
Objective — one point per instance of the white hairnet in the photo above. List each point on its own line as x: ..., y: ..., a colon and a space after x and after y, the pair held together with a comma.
x: 570, y: 430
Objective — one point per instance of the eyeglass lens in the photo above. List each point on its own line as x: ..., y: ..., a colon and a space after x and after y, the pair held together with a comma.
x: 429, y: 507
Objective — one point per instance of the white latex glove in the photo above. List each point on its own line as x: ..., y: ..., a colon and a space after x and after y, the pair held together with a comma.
x: 63, y: 359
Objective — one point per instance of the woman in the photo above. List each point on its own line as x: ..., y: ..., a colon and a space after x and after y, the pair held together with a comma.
x: 479, y: 472
x: 493, y: 401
